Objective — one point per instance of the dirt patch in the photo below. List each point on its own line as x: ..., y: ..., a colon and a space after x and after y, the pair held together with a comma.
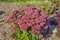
x: 7, y: 6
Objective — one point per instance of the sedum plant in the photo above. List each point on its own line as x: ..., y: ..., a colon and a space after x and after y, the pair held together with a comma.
x: 30, y: 23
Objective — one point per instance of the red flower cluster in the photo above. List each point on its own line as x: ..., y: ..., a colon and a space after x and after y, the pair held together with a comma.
x: 33, y: 17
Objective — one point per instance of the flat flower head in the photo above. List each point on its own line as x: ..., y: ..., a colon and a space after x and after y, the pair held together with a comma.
x: 27, y: 17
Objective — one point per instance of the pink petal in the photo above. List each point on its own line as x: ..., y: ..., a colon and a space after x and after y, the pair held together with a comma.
x: 29, y: 24
x: 19, y: 16
x: 13, y: 12
x: 23, y: 27
x: 14, y: 28
x: 37, y: 27
x: 20, y: 22
x: 46, y: 27
x: 1, y: 32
